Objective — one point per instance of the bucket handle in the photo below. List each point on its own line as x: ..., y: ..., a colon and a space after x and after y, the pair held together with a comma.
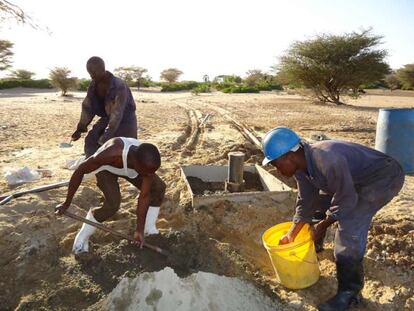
x: 293, y: 253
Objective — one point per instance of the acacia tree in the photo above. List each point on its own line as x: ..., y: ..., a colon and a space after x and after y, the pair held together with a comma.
x: 5, y: 54
x: 60, y: 79
x: 10, y: 11
x: 132, y: 74
x: 406, y: 76
x: 253, y: 77
x: 170, y: 75
x: 21, y: 74
x: 392, y: 81
x: 331, y: 65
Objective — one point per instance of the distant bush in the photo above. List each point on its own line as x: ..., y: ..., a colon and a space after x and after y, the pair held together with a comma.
x: 263, y: 87
x: 60, y: 79
x: 36, y: 84
x: 240, y: 89
x: 269, y: 86
x: 224, y: 85
x: 202, y: 88
x: 83, y: 84
x: 406, y: 76
x: 392, y: 81
x: 171, y: 75
x: 148, y: 83
x: 22, y: 74
x: 179, y: 86
x: 132, y: 75
x: 373, y: 85
x: 406, y: 87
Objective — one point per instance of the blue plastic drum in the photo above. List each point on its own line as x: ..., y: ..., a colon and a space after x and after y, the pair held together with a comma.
x: 395, y: 135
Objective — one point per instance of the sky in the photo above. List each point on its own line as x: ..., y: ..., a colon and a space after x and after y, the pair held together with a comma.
x: 198, y: 37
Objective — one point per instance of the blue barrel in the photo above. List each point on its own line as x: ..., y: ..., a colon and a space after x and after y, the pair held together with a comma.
x: 395, y: 135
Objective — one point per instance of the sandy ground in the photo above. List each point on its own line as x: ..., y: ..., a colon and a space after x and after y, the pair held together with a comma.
x: 36, y: 265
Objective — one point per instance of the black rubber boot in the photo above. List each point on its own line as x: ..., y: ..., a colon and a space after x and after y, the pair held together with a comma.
x: 319, y: 244
x: 319, y: 216
x: 350, y: 277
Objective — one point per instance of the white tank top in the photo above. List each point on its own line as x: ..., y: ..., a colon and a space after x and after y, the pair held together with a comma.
x: 124, y: 171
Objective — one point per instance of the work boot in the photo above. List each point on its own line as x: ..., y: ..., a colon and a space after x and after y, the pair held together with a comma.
x: 81, y: 243
x: 318, y: 243
x: 151, y: 220
x: 350, y: 277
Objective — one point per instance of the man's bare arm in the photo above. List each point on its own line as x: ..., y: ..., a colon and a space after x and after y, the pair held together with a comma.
x: 88, y: 166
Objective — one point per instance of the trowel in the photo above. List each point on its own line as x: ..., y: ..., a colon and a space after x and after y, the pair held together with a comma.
x: 66, y: 145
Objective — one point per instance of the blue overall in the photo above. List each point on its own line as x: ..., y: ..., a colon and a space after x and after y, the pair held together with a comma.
x: 356, y: 181
x: 116, y: 112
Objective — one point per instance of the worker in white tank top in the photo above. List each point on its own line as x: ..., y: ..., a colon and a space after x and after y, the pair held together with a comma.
x: 130, y: 159
x: 124, y: 171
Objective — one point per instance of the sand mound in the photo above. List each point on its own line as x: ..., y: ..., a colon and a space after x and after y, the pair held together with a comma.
x: 164, y: 290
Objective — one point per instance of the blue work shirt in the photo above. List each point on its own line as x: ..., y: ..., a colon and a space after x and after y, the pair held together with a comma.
x: 117, y: 106
x: 339, y: 169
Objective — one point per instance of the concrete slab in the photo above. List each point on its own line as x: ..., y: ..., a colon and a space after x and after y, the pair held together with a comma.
x: 273, y: 187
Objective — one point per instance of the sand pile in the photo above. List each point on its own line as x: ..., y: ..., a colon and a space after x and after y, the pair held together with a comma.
x: 164, y: 290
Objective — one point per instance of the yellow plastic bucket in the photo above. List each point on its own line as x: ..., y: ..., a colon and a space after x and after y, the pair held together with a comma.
x: 295, y: 264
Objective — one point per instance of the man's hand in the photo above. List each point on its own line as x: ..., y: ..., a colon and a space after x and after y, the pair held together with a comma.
x: 61, y: 208
x: 286, y: 239
x: 76, y: 135
x: 318, y: 230
x: 101, y: 140
x: 139, y: 238
x: 107, y: 135
x: 292, y: 233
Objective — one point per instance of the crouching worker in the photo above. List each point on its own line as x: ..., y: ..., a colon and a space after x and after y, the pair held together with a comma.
x: 136, y: 162
x: 358, y: 181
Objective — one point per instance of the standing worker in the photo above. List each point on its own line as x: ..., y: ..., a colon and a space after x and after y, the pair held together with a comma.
x: 358, y: 180
x: 109, y: 98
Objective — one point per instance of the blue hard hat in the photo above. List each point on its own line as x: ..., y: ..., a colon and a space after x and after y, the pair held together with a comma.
x: 278, y: 142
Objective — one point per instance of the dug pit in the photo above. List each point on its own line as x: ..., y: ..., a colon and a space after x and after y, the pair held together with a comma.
x: 206, y: 185
x: 199, y: 187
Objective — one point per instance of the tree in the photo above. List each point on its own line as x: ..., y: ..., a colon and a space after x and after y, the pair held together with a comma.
x: 60, y: 79
x: 254, y: 76
x: 22, y: 74
x: 331, y: 65
x: 9, y: 10
x: 170, y: 75
x: 392, y: 81
x: 406, y: 76
x: 5, y: 54
x: 131, y: 75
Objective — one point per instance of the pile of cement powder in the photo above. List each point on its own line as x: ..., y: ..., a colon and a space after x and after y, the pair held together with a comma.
x: 164, y: 290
